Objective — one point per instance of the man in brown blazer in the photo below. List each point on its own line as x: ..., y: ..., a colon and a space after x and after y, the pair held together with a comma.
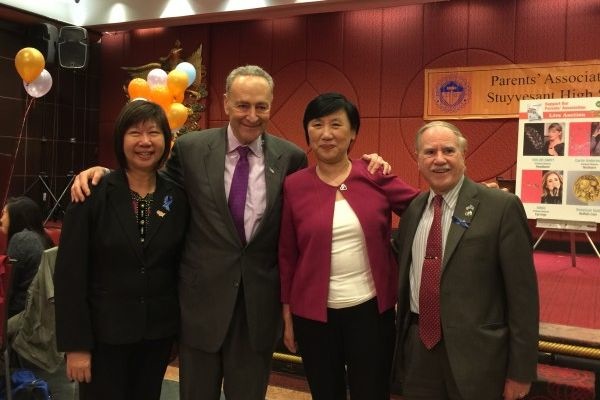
x: 485, y: 329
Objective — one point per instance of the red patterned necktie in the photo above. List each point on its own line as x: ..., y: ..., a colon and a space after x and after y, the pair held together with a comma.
x: 430, y: 329
x: 238, y: 190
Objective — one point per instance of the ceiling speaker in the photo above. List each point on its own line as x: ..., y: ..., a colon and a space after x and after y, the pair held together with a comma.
x: 73, y: 47
x: 44, y: 37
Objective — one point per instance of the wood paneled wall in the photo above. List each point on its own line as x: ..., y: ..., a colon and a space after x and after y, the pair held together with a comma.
x: 377, y: 58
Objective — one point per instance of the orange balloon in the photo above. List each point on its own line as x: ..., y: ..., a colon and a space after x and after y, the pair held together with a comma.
x: 177, y: 115
x: 161, y: 96
x: 177, y: 81
x: 138, y: 87
x: 30, y: 63
x: 178, y: 98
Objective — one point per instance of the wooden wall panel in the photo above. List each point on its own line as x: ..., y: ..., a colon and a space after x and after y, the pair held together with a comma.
x: 540, y: 31
x: 377, y: 58
x: 289, y: 42
x: 325, y: 38
x: 445, y: 27
x: 362, y: 58
x: 582, y: 29
x: 492, y: 29
x: 401, y: 58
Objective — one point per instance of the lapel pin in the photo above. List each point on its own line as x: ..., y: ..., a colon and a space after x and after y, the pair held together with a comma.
x: 469, y: 210
x: 168, y: 200
x: 160, y: 213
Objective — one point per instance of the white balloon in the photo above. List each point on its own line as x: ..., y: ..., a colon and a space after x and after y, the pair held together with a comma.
x: 40, y: 85
x: 156, y: 77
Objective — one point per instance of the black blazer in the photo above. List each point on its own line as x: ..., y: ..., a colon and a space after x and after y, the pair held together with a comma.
x: 108, y: 286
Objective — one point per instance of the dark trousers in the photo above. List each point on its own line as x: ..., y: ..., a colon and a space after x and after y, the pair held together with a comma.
x: 127, y: 371
x: 427, y: 373
x: 355, y: 344
x: 243, y: 371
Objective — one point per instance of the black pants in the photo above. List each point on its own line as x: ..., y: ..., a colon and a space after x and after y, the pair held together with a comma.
x: 357, y: 344
x: 127, y: 371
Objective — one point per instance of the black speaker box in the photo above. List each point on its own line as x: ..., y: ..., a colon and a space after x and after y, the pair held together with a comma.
x: 44, y: 37
x: 73, y: 47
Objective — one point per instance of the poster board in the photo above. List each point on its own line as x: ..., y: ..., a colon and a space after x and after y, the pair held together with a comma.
x: 559, y: 179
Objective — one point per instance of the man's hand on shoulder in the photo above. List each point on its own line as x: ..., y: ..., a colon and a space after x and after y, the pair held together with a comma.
x: 494, y: 185
x: 377, y: 162
x: 81, y: 183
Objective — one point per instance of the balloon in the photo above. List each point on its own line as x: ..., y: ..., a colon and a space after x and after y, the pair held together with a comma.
x: 138, y: 87
x: 177, y: 115
x: 40, y: 85
x: 177, y: 81
x: 156, y: 77
x: 178, y: 97
x: 30, y: 63
x: 189, y: 70
x: 161, y: 96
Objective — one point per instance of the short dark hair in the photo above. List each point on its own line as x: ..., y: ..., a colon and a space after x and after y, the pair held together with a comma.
x: 134, y: 112
x: 326, y: 104
x: 24, y: 213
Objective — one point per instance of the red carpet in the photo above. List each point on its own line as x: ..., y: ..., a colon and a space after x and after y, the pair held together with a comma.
x: 569, y: 295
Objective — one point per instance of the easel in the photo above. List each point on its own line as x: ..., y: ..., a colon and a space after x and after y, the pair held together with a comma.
x: 570, y: 227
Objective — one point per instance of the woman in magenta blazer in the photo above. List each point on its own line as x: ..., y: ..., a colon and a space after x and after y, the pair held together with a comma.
x: 339, y: 276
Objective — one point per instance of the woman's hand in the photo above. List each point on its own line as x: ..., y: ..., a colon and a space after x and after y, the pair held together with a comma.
x: 288, y: 329
x: 79, y: 366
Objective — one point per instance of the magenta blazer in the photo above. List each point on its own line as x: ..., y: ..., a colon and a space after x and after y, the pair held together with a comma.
x: 306, y: 235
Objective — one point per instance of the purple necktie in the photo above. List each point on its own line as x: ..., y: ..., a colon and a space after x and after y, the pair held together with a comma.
x: 238, y: 190
x: 430, y: 329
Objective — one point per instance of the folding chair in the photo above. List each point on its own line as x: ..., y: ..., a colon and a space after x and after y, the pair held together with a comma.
x: 5, y: 285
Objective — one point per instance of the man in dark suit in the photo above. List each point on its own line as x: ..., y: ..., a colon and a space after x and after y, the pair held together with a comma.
x: 229, y: 278
x: 229, y: 287
x: 468, y: 312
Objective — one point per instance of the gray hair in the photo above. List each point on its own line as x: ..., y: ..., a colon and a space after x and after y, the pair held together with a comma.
x: 248, y: 70
x: 462, y: 141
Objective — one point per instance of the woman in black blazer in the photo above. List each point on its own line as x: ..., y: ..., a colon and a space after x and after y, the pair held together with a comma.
x: 117, y: 312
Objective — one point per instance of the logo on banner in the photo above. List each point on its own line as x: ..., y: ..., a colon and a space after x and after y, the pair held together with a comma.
x: 452, y: 94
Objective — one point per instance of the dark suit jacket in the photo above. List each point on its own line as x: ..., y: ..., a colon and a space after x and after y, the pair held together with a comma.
x: 215, y: 262
x: 489, y: 296
x: 108, y: 286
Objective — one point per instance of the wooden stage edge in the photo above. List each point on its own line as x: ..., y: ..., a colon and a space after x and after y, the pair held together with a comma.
x: 571, y: 347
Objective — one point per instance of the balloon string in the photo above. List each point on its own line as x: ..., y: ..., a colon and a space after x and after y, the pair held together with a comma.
x: 14, y: 160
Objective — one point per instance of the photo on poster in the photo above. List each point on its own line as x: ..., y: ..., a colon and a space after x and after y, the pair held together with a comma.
x: 595, y: 139
x: 554, y: 139
x: 542, y: 186
x: 583, y: 188
x: 552, y: 187
x: 533, y: 139
x: 584, y: 139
